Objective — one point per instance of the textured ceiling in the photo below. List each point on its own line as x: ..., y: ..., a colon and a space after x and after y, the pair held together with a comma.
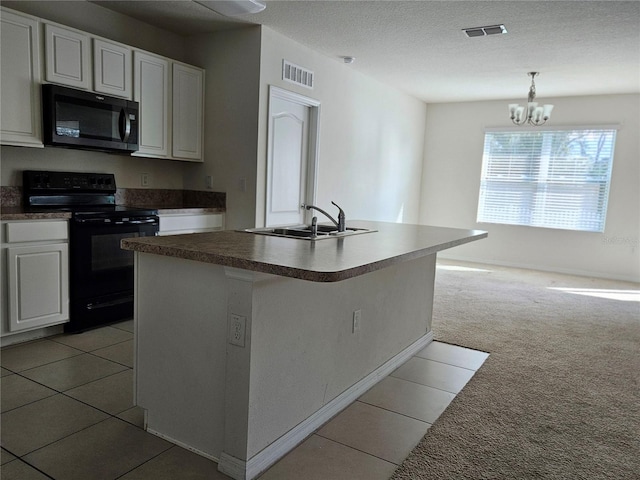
x: 579, y: 47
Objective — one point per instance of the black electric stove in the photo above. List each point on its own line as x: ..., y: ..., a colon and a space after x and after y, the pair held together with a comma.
x: 100, y: 272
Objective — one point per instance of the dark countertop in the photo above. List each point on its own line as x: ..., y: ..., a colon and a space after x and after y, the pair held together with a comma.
x: 18, y: 213
x: 328, y: 260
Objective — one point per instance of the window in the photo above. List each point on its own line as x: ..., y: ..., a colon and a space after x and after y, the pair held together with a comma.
x: 552, y: 178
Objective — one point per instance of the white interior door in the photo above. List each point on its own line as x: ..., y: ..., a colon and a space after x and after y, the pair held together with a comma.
x: 292, y: 152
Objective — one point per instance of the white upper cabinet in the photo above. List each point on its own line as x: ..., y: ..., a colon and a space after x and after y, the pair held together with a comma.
x: 112, y: 69
x: 188, y: 122
x: 20, y: 81
x: 170, y: 93
x: 151, y: 90
x: 67, y: 57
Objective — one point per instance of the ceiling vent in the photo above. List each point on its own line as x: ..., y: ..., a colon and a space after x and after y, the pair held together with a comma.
x: 296, y: 74
x: 484, y: 31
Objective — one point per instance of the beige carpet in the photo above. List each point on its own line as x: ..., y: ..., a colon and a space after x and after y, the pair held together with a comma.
x: 559, y: 396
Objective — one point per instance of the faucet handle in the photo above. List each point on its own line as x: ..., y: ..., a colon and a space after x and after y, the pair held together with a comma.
x: 341, y: 211
x: 341, y: 218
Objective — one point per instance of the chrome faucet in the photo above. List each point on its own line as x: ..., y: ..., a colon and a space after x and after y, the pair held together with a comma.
x: 342, y: 221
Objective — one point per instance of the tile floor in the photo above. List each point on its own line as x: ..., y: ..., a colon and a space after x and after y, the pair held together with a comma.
x: 67, y: 414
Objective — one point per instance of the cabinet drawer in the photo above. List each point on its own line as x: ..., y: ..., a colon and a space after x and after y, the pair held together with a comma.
x: 36, y: 231
x: 190, y: 222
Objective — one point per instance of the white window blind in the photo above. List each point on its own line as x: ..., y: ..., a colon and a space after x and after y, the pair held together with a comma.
x: 553, y: 178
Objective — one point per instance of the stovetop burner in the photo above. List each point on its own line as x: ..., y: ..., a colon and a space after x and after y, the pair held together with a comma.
x: 83, y: 194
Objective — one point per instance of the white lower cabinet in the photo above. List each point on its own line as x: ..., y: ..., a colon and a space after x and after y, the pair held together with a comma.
x: 179, y: 223
x: 38, y: 286
x: 36, y: 265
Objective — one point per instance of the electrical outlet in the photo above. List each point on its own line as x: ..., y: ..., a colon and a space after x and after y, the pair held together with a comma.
x: 357, y: 317
x: 208, y: 180
x: 145, y: 179
x: 237, y: 329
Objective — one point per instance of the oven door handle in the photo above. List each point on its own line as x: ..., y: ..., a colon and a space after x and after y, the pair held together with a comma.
x: 92, y: 220
x: 111, y: 303
x: 137, y: 222
x: 144, y: 221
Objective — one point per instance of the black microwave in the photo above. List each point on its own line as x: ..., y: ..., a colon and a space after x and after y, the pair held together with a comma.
x: 80, y: 119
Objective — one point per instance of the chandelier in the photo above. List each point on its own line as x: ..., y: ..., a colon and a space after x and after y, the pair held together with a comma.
x: 534, y: 115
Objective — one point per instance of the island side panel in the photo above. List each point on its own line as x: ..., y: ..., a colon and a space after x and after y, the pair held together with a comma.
x: 180, y: 333
x: 304, y: 352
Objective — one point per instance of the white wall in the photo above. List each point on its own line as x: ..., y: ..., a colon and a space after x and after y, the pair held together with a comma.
x: 371, y: 135
x: 451, y: 182
x: 127, y: 169
x: 231, y: 59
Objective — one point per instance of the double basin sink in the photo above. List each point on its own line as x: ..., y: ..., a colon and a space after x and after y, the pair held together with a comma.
x: 304, y: 232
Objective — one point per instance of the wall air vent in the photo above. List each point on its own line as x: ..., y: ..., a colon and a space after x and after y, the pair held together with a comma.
x: 484, y: 31
x: 296, y: 74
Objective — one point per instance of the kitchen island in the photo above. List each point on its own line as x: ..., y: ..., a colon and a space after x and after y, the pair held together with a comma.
x: 245, y: 344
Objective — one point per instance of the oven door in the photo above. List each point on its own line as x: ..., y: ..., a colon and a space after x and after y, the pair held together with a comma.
x: 101, y: 273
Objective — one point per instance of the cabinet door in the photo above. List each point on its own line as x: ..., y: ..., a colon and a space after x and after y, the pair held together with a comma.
x: 20, y: 79
x: 38, y: 286
x: 151, y: 90
x: 67, y: 57
x: 187, y: 122
x: 111, y: 69
x: 173, y: 224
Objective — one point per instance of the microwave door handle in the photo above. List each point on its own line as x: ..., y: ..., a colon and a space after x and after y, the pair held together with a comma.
x: 125, y: 125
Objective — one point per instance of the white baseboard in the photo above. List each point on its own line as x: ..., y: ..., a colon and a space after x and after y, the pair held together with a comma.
x: 248, y: 470
x: 20, y: 337
x: 182, y: 444
x: 540, y: 268
x: 233, y: 467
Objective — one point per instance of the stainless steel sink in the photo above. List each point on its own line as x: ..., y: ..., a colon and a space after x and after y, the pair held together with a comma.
x: 304, y: 232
